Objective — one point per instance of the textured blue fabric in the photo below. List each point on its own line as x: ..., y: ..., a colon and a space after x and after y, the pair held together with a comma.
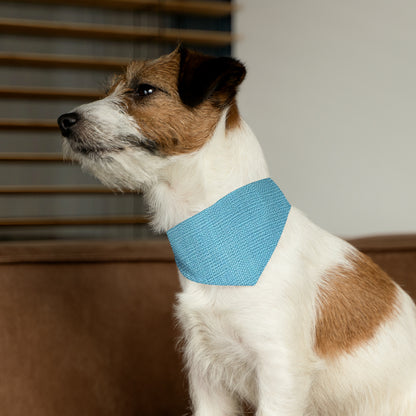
x: 231, y: 242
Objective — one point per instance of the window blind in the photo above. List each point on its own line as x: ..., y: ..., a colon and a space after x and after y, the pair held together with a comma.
x: 56, y: 55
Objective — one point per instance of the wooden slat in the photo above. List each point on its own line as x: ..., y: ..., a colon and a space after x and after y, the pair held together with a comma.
x: 58, y: 190
x: 32, y: 157
x: 43, y: 125
x: 53, y: 61
x: 49, y: 93
x: 71, y: 221
x: 77, y: 30
x: 200, y: 8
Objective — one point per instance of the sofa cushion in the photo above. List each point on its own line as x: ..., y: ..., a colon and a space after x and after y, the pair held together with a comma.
x: 87, y: 328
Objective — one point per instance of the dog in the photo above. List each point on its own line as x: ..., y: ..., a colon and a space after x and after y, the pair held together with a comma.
x: 322, y: 330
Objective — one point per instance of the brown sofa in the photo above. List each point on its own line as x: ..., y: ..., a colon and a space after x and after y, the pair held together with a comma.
x: 86, y: 328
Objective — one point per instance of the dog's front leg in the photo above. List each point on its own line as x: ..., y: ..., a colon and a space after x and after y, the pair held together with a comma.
x: 209, y: 399
x: 283, y: 386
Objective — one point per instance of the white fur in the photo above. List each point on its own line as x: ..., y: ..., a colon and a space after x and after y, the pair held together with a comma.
x: 257, y: 343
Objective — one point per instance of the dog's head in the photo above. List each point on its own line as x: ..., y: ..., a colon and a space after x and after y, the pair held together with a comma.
x: 156, y: 110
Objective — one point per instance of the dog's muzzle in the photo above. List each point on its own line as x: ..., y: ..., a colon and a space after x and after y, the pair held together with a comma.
x: 67, y: 122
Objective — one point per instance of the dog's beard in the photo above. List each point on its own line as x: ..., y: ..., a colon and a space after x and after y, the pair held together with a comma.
x: 125, y: 168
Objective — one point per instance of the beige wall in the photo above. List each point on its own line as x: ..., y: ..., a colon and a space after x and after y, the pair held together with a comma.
x: 331, y: 95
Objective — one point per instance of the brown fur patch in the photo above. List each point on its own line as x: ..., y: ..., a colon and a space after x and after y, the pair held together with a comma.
x: 353, y: 302
x: 162, y: 117
x: 233, y: 116
x: 170, y: 126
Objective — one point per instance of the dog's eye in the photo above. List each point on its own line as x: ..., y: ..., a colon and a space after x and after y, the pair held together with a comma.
x: 143, y: 90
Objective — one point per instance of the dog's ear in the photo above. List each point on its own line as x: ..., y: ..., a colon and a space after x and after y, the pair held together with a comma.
x: 202, y: 77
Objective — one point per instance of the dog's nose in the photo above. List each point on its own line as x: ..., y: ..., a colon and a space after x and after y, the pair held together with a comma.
x: 66, y: 122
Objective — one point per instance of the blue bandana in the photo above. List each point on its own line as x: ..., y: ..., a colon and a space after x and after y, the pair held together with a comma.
x: 231, y: 242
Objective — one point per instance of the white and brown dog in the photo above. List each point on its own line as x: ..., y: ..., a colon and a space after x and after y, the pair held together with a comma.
x: 324, y: 331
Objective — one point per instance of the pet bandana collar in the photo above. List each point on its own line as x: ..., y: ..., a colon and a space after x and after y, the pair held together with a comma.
x: 231, y: 242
